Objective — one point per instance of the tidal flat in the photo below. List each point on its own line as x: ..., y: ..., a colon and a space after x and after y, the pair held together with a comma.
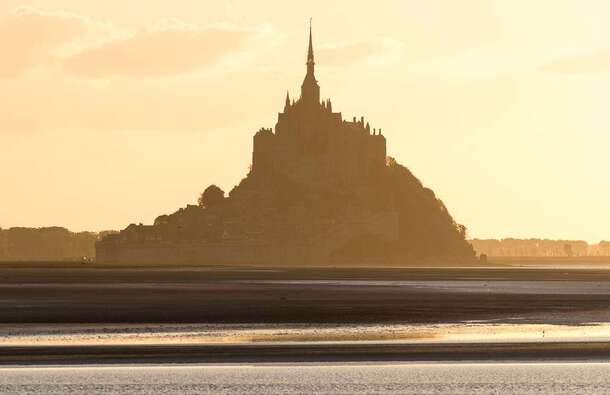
x: 90, y: 294
x: 410, y: 309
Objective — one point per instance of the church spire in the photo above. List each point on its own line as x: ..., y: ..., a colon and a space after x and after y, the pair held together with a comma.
x: 310, y: 90
x: 287, y: 104
x: 310, y: 59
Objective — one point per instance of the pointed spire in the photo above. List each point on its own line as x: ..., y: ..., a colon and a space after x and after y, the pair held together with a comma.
x: 310, y: 90
x: 310, y: 60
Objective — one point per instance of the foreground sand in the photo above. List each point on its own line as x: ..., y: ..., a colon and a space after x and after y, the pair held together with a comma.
x: 80, y: 305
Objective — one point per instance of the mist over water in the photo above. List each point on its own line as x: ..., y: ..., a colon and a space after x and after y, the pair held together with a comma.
x: 476, y: 378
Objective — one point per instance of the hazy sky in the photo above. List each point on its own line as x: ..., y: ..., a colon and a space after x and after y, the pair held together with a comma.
x: 114, y: 111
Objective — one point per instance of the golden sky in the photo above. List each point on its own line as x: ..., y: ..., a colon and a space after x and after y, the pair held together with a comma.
x: 114, y: 112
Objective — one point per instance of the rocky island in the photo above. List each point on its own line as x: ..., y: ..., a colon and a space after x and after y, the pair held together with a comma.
x: 320, y: 191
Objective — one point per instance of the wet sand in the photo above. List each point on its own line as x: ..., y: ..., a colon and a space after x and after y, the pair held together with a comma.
x: 89, y: 294
x: 96, y: 314
x: 305, y: 352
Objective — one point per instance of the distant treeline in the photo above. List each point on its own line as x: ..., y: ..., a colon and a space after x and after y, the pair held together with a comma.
x: 59, y: 244
x: 46, y: 244
x: 539, y: 247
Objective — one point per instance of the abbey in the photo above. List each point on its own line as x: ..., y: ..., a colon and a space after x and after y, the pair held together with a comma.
x: 320, y: 191
x: 310, y: 139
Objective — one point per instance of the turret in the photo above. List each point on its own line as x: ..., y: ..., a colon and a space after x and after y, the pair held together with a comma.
x: 287, y: 104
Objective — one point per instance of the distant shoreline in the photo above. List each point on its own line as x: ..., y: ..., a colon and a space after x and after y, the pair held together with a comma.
x: 492, y: 262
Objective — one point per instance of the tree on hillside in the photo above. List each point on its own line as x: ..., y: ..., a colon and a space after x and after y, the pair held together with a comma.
x: 212, y: 196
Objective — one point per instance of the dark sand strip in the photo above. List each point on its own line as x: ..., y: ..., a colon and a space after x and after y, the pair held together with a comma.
x: 305, y: 353
x: 239, y: 303
x: 91, y: 294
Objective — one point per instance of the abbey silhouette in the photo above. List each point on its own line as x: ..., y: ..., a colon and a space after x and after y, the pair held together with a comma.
x: 320, y: 191
x: 313, y: 145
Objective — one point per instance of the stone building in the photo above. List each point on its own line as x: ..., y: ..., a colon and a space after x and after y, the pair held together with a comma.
x: 311, y: 139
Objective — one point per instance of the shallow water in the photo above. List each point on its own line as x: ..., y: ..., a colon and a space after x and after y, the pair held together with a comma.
x: 458, y: 378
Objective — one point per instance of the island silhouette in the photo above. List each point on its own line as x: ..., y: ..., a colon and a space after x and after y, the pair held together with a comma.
x: 320, y: 191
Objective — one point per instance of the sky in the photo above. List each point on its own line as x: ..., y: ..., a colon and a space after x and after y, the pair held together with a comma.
x: 115, y: 112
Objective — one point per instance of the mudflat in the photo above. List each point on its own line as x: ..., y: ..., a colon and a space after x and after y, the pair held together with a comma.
x: 74, y: 293
x: 303, y: 352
